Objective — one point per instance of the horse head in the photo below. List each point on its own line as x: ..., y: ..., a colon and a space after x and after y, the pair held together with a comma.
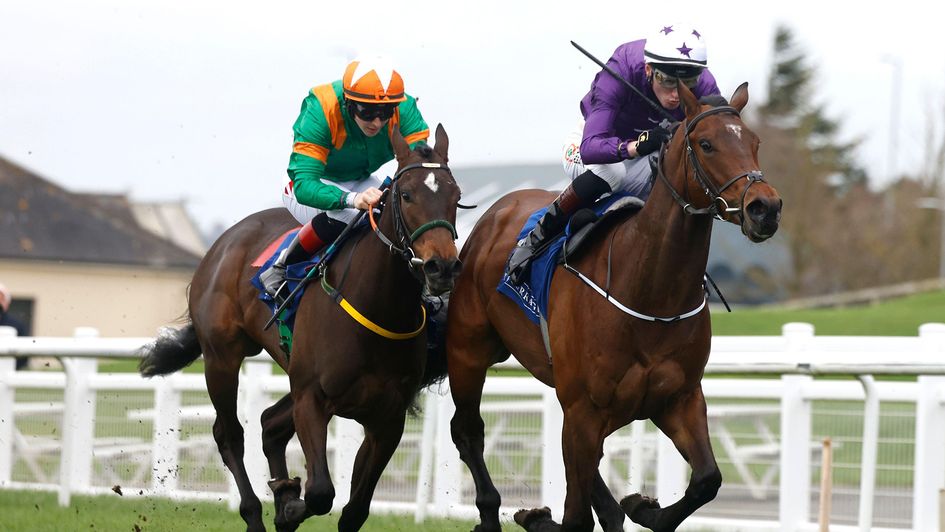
x: 424, y: 198
x: 722, y: 158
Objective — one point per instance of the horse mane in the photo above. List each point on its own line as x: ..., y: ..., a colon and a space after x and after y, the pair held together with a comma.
x: 425, y: 151
x: 715, y: 100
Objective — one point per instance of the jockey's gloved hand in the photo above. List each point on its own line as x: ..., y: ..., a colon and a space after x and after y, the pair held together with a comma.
x: 649, y: 141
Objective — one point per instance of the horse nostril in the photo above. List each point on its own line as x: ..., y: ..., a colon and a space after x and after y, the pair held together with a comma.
x: 762, y: 209
x: 455, y: 268
x: 432, y: 267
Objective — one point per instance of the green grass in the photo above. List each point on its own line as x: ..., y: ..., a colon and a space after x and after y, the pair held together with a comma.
x: 39, y: 512
x: 896, y: 317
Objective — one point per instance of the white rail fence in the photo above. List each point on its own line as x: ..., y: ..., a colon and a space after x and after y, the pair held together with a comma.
x: 80, y: 431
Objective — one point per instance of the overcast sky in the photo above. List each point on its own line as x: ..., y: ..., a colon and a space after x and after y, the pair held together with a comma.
x: 172, y: 99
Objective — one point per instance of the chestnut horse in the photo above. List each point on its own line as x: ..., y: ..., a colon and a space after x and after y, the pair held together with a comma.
x: 609, y: 368
x: 337, y: 365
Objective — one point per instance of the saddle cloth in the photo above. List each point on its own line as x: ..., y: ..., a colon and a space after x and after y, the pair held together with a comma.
x: 294, y: 275
x: 532, y: 295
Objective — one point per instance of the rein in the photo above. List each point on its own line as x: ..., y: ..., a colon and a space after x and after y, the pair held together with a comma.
x: 700, y: 175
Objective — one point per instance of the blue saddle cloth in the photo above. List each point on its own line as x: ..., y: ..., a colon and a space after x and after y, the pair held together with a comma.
x: 532, y: 295
x: 294, y: 275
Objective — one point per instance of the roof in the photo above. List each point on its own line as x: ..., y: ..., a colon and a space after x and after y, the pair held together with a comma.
x: 40, y: 220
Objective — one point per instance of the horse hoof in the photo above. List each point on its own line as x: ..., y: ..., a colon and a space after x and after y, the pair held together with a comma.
x: 319, y: 505
x: 527, y: 518
x: 634, y: 504
x: 294, y: 511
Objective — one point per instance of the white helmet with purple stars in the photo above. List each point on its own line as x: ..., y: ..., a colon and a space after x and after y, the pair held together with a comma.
x: 677, y: 50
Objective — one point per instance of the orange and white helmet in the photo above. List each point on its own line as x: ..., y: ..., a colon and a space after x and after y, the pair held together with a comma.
x: 372, y: 79
x: 677, y: 49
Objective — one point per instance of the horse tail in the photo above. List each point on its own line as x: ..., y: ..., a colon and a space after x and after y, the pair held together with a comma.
x: 173, y: 350
x: 435, y: 370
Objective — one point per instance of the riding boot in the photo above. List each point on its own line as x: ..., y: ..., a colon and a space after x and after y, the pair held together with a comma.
x: 305, y: 243
x: 582, y: 192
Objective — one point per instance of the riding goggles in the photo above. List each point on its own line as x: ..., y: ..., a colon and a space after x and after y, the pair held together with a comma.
x: 368, y: 112
x: 671, y: 82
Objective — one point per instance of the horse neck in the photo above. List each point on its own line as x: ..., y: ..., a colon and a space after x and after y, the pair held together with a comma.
x: 668, y: 249
x: 384, y: 283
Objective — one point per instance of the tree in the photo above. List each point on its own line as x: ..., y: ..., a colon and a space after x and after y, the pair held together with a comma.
x: 813, y: 170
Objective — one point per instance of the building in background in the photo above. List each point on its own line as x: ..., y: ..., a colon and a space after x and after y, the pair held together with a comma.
x: 96, y: 260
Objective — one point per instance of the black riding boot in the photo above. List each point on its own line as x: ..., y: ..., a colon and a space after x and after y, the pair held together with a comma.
x: 582, y: 192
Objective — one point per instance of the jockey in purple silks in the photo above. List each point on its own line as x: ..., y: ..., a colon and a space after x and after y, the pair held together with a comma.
x: 622, y: 132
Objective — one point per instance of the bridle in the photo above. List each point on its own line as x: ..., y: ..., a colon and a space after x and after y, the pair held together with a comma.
x: 717, y: 205
x: 406, y: 237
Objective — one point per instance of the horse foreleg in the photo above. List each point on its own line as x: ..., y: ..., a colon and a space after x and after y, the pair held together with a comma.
x: 222, y: 384
x: 684, y: 422
x: 278, y: 428
x: 380, y: 441
x: 468, y: 432
x: 311, y: 423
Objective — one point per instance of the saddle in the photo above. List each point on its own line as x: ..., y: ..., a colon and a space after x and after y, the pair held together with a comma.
x: 296, y: 274
x: 532, y: 295
x: 587, y: 222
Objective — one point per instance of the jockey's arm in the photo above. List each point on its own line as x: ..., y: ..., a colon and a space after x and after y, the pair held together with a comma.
x: 600, y: 145
x: 310, y: 189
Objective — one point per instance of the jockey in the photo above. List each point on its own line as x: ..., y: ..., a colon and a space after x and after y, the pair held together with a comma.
x: 621, y: 132
x: 342, y: 135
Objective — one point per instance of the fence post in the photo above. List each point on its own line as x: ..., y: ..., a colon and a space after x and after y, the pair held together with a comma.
x: 255, y: 400
x: 448, y: 480
x: 638, y: 451
x: 427, y: 443
x: 348, y: 438
x: 929, y: 476
x: 794, y: 498
x: 165, y: 450
x: 553, y: 484
x: 671, y: 470
x: 7, y: 415
x: 78, y: 421
x: 869, y: 453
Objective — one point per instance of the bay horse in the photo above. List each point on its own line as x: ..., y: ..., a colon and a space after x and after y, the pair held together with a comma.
x: 609, y: 368
x: 337, y: 367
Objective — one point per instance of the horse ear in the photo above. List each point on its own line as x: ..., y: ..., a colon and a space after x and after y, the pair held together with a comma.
x: 690, y: 103
x: 740, y: 97
x: 401, y: 148
x: 442, y: 143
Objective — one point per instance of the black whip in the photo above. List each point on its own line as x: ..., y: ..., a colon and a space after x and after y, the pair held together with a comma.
x: 620, y: 78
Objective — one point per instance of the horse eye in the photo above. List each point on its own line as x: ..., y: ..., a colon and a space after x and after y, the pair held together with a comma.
x: 406, y: 197
x: 706, y: 147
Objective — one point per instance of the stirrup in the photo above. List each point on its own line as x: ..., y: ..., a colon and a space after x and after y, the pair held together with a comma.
x: 281, y: 293
x: 519, y: 272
